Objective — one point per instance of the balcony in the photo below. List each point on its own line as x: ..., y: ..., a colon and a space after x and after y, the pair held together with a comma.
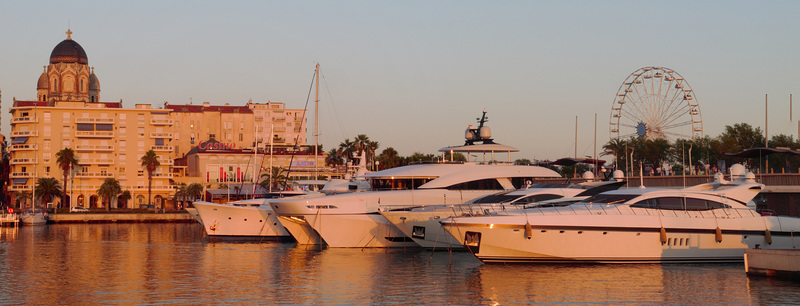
x: 94, y: 120
x: 25, y: 134
x: 94, y: 175
x: 278, y: 140
x: 280, y: 118
x: 160, y: 135
x: 24, y: 120
x: 161, y: 121
x: 95, y: 161
x: 162, y: 148
x: 22, y: 147
x: 20, y: 188
x: 165, y: 162
x: 162, y: 175
x: 84, y: 148
x: 22, y: 161
x: 20, y: 174
x: 94, y: 134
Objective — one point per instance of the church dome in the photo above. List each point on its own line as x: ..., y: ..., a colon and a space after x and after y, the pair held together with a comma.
x: 44, y: 83
x: 68, y: 51
x: 94, y: 83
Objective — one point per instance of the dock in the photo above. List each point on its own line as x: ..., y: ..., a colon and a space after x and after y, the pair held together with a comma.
x: 778, y: 263
x: 9, y: 220
x: 121, y: 217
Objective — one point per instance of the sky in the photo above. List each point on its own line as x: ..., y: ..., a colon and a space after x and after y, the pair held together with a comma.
x: 412, y: 75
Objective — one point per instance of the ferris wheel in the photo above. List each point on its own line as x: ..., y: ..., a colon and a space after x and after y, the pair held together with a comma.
x: 656, y: 102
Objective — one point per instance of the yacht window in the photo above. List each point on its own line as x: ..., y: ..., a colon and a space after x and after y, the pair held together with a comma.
x: 485, y: 184
x: 538, y: 198
x: 399, y: 183
x: 610, y: 198
x: 678, y: 203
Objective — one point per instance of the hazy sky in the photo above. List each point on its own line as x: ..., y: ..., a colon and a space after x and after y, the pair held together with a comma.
x: 413, y: 74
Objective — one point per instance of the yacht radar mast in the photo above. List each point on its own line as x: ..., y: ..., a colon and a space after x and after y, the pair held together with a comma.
x: 482, y: 133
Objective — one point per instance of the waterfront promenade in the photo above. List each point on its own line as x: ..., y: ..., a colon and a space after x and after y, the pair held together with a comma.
x: 120, y: 217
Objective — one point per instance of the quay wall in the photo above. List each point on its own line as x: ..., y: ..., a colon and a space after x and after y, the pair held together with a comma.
x: 120, y: 217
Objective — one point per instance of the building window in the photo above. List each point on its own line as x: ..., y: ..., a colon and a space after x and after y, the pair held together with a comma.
x: 141, y: 131
x: 140, y: 173
x: 241, y: 137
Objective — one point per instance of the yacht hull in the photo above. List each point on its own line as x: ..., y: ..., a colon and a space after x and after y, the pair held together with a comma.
x: 33, y: 219
x: 369, y: 230
x: 303, y: 233
x: 622, y: 239
x: 249, y: 222
x: 424, y: 228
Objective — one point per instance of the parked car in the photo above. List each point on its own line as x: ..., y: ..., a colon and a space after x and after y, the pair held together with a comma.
x: 78, y: 209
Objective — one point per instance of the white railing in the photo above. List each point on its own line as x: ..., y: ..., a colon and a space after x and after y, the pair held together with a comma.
x: 25, y: 133
x: 23, y: 147
x: 93, y: 174
x: 161, y: 121
x: 24, y: 160
x: 20, y: 174
x: 160, y: 135
x: 24, y: 120
x: 162, y: 148
x: 93, y: 148
x: 93, y: 161
x: 102, y: 134
x: 162, y: 175
x: 20, y: 188
x: 94, y: 120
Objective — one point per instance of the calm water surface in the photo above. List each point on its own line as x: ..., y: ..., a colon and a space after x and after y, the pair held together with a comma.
x: 176, y: 264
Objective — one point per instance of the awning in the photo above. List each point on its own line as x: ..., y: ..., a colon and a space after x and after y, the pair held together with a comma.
x: 20, y: 181
x: 19, y: 140
x: 762, y: 152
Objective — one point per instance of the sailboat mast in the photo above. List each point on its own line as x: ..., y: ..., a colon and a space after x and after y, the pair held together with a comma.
x: 316, y: 128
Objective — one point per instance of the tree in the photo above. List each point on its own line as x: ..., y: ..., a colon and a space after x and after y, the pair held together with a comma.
x: 47, y: 188
x: 182, y: 193
x: 22, y: 197
x: 150, y: 163
x: 523, y: 161
x: 276, y: 177
x: 66, y: 161
x: 125, y: 197
x: 194, y: 191
x: 334, y: 158
x: 389, y: 158
x: 109, y: 190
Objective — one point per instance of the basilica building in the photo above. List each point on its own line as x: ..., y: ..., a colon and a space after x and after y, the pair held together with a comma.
x: 107, y: 138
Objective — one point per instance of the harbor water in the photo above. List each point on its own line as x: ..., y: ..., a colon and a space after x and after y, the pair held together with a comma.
x: 175, y: 263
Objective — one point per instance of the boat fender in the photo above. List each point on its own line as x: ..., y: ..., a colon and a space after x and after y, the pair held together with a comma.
x: 768, y: 237
x: 663, y: 235
x: 718, y: 234
x: 528, y: 230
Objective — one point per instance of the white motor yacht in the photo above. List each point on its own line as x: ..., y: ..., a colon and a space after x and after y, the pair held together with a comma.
x: 353, y: 220
x: 423, y: 225
x: 711, y: 222
x: 250, y: 219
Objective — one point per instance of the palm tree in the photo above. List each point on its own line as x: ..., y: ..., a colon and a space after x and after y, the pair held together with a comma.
x: 181, y: 194
x: 23, y: 197
x: 194, y: 191
x: 47, y: 188
x: 109, y: 190
x: 275, y: 177
x: 150, y: 163
x: 66, y: 161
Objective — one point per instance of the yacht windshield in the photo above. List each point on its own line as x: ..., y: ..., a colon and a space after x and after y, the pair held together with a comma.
x: 399, y: 183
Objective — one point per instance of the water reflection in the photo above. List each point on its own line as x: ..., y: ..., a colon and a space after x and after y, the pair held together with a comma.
x: 175, y: 263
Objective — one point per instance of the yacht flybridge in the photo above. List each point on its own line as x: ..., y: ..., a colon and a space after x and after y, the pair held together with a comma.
x: 353, y: 220
x: 712, y: 222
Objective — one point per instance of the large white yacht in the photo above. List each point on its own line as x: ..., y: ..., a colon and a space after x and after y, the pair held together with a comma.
x: 353, y: 220
x: 250, y: 219
x: 711, y: 222
x: 422, y: 224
